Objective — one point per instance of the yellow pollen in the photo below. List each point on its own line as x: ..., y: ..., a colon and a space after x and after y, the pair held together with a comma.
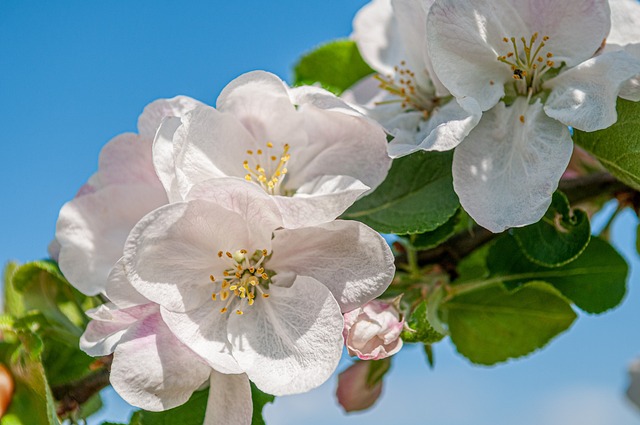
x: 233, y: 287
x: 252, y: 269
x: 549, y: 54
x: 523, y: 60
x: 213, y: 279
x: 213, y: 297
x: 229, y: 254
x: 273, y: 158
x: 265, y: 295
x: 219, y: 253
x: 223, y: 310
x: 224, y: 295
x: 522, y: 119
x: 549, y: 63
x: 269, y: 144
x: 225, y: 284
x: 260, y: 270
x: 264, y: 252
x: 250, y: 152
x: 226, y: 274
x: 265, y: 276
x: 259, y: 151
x: 239, y: 312
x: 247, y: 177
x: 251, y: 301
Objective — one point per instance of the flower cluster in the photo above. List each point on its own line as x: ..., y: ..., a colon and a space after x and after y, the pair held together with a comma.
x: 213, y: 234
x: 500, y: 82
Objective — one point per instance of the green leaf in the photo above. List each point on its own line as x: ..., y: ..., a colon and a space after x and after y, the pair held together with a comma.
x: 423, y: 330
x: 492, y: 324
x: 336, y: 66
x: 617, y: 147
x: 13, y: 302
x: 595, y: 281
x: 190, y: 413
x: 32, y: 401
x: 559, y: 237
x: 260, y: 400
x: 428, y: 350
x: 432, y: 239
x: 416, y: 197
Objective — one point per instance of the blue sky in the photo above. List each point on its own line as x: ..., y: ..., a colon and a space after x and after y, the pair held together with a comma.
x: 74, y: 74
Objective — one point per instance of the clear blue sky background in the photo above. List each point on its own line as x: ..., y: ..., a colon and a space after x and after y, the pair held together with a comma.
x: 73, y: 74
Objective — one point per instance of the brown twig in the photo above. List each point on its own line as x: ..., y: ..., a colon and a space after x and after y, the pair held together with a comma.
x: 70, y: 396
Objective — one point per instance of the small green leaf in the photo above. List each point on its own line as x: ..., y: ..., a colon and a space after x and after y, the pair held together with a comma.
x: 423, y: 331
x: 13, y: 302
x: 416, y: 197
x: 558, y: 238
x: 190, y: 413
x: 432, y: 239
x: 428, y: 350
x: 491, y: 325
x: 617, y: 147
x: 336, y: 66
x: 260, y: 400
x: 595, y: 281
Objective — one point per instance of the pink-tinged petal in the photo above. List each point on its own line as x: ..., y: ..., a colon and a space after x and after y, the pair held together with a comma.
x: 319, y: 201
x: 290, y: 342
x: 244, y: 198
x: 120, y: 291
x: 164, y: 153
x: 353, y: 391
x: 152, y: 370
x: 444, y: 130
x: 172, y: 252
x: 585, y: 96
x: 155, y: 112
x: 349, y: 258
x: 108, y: 325
x: 633, y: 391
x: 464, y: 40
x: 126, y: 159
x: 229, y: 400
x: 260, y: 102
x: 92, y: 230
x: 204, y: 330
x: 341, y: 145
x: 508, y: 167
x: 211, y: 144
x: 625, y: 22
x: 372, y: 332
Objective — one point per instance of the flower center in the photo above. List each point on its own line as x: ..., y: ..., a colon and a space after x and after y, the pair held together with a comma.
x: 528, y: 63
x: 266, y: 169
x: 403, y: 85
x: 243, y: 280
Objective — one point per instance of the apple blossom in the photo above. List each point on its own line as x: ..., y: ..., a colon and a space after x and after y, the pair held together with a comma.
x: 133, y: 330
x: 354, y: 392
x: 249, y: 296
x: 531, y: 66
x: 405, y: 96
x: 92, y: 228
x: 372, y: 332
x: 303, y: 146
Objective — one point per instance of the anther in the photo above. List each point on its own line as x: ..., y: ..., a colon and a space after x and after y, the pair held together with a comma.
x: 213, y: 279
x: 522, y: 119
x: 269, y: 144
x: 223, y: 310
x: 239, y: 312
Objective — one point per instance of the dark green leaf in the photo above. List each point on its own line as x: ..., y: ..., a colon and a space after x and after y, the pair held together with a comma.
x: 558, y: 238
x: 435, y: 237
x: 423, y: 330
x: 336, y: 66
x: 491, y: 324
x: 595, y: 281
x: 190, y: 413
x: 260, y: 400
x: 416, y: 197
x: 617, y: 147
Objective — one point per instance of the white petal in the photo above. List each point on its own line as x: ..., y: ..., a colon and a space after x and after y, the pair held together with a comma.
x: 630, y: 90
x: 351, y: 259
x: 229, y: 400
x: 585, y: 96
x: 341, y: 145
x: 260, y: 101
x: 126, y: 159
x: 151, y: 369
x: 625, y: 22
x: 244, y: 198
x: 172, y: 252
x: 164, y: 153
x: 319, y: 201
x: 322, y: 99
x: 444, y: 130
x: 463, y: 38
x: 204, y: 330
x: 506, y: 171
x: 108, y: 326
x: 290, y: 342
x: 92, y: 230
x: 120, y: 291
x: 155, y: 112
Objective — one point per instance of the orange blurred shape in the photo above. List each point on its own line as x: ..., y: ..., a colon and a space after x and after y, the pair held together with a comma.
x: 6, y: 389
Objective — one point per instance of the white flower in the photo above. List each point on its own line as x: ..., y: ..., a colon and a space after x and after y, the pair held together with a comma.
x: 305, y: 147
x: 539, y: 58
x: 151, y: 368
x: 249, y: 296
x: 92, y: 228
x: 406, y: 97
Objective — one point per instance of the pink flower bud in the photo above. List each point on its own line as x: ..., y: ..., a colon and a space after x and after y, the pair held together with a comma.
x: 372, y: 332
x: 353, y: 391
